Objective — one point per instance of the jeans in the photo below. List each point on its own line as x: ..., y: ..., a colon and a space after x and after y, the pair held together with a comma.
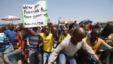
x: 35, y: 56
x: 92, y: 59
x: 46, y: 57
x: 12, y: 57
x: 106, y: 57
x: 85, y: 57
x: 8, y: 49
x: 63, y: 57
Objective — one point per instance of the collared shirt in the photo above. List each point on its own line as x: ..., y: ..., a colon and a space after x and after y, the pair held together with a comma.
x: 69, y: 49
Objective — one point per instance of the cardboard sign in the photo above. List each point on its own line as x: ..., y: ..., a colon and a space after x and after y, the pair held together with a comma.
x: 35, y: 15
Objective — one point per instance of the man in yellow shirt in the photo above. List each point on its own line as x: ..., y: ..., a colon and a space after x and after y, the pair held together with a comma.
x: 48, y: 40
x: 63, y: 35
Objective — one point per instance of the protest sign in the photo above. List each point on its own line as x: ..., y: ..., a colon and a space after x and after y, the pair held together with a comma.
x: 35, y: 15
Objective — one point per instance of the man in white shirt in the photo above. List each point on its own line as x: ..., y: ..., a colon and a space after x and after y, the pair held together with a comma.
x: 70, y: 45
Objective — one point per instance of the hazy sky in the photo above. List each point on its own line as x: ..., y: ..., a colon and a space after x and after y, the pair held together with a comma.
x: 96, y: 10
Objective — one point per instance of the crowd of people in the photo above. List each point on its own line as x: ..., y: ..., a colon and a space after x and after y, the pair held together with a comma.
x: 56, y: 44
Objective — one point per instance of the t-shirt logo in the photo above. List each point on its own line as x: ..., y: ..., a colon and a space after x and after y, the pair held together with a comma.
x: 46, y: 40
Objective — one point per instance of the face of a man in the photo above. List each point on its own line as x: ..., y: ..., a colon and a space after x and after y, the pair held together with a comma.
x: 65, y: 32
x: 46, y: 31
x: 77, y: 36
x: 93, y: 36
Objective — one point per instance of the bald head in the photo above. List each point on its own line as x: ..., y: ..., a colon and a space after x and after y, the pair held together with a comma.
x: 78, y: 31
x: 78, y: 34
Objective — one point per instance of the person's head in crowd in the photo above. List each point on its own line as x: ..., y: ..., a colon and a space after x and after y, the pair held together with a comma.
x: 50, y: 24
x: 77, y: 35
x: 65, y: 31
x: 1, y: 29
x: 94, y: 35
x: 38, y: 28
x: 19, y: 28
x: 88, y: 27
x: 11, y: 27
x: 55, y: 28
x: 71, y: 26
x: 46, y: 30
x: 97, y: 26
x: 4, y: 28
x: 35, y: 29
x: 61, y: 27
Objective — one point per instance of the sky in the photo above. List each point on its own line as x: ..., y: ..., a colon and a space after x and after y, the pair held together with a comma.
x: 95, y: 10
